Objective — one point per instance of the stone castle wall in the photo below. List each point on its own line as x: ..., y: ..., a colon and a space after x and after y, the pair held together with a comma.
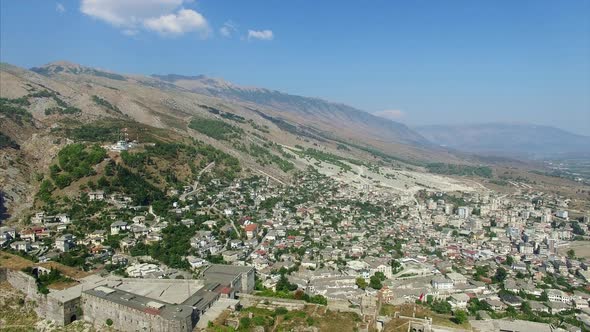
x: 3, y: 272
x: 97, y: 311
x: 46, y: 306
x: 248, y: 281
x: 27, y: 285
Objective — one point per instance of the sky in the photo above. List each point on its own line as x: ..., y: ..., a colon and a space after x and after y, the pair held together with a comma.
x: 418, y: 62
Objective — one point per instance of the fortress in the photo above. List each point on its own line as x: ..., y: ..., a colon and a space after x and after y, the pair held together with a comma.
x: 137, y: 304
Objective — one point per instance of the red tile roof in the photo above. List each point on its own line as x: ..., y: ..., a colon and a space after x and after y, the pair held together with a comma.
x: 251, y: 227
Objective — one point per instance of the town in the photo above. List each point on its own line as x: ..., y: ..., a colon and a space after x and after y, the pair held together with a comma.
x: 469, y: 258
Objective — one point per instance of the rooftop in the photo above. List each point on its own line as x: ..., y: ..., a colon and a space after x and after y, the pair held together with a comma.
x: 142, y: 303
x: 173, y: 291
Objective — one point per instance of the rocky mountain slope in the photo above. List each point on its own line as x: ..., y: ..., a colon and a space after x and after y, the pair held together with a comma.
x: 270, y: 133
x: 516, y: 140
x: 320, y: 114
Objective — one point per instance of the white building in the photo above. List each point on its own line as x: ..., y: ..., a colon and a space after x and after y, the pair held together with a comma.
x: 96, y: 195
x: 457, y: 278
x: 142, y: 269
x: 442, y: 283
x: 562, y: 214
x: 118, y: 226
x: 65, y: 242
x: 459, y: 301
x: 556, y: 295
x: 463, y: 212
x: 21, y: 246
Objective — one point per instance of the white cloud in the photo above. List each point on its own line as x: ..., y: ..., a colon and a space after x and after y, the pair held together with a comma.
x: 390, y: 114
x: 228, y: 29
x: 225, y: 31
x: 130, y: 32
x: 60, y: 8
x: 163, y: 16
x: 260, y: 34
x: 185, y: 20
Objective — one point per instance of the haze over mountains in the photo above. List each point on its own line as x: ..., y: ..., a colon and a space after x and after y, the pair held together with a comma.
x: 505, y: 139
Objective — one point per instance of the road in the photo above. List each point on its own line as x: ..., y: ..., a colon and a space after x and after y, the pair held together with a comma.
x: 183, y: 197
x: 151, y: 211
x: 270, y: 176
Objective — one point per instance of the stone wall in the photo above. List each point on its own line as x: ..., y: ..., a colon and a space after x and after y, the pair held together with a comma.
x: 248, y: 281
x: 46, y: 306
x: 3, y: 272
x: 27, y: 285
x: 97, y: 311
x: 248, y: 300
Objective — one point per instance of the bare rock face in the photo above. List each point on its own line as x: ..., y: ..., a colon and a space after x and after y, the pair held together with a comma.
x: 41, y: 149
x: 15, y: 185
x: 19, y: 169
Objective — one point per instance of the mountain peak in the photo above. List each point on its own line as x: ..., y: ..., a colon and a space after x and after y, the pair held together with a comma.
x: 177, y: 77
x: 66, y: 67
x: 197, y: 81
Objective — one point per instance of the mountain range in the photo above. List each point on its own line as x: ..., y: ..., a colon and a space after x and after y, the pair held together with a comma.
x: 43, y: 109
x: 520, y: 141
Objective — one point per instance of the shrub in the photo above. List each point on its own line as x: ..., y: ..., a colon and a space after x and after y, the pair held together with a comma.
x: 106, y: 104
x: 7, y: 142
x: 215, y: 128
x: 245, y: 322
x: 460, y: 317
x: 281, y: 311
x: 452, y: 169
x: 259, y: 321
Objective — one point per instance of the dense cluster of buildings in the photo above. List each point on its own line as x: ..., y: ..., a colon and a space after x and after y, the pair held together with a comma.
x: 327, y: 236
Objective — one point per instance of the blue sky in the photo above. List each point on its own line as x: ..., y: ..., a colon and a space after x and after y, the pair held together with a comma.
x: 420, y: 62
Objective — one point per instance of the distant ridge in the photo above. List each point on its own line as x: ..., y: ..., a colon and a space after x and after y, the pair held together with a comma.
x: 316, y: 110
x: 508, y: 139
x: 66, y: 67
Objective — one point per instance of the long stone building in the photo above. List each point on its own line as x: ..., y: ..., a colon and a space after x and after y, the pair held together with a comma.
x: 130, y: 312
x: 136, y: 304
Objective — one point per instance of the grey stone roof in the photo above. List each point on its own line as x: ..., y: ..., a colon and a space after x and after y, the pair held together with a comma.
x: 142, y: 303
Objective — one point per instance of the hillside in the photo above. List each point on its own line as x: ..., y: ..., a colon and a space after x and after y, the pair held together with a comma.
x: 514, y: 140
x: 45, y: 109
x: 183, y: 124
x: 321, y: 114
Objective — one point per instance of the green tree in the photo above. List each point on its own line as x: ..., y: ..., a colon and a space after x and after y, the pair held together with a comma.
x: 500, y: 275
x: 460, y: 317
x: 577, y: 229
x: 396, y: 266
x: 284, y: 285
x: 361, y: 283
x: 281, y: 311
x: 526, y: 307
x: 571, y: 254
x: 375, y: 282
x: 381, y: 276
x: 509, y: 261
x: 429, y: 299
x: 511, y: 311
